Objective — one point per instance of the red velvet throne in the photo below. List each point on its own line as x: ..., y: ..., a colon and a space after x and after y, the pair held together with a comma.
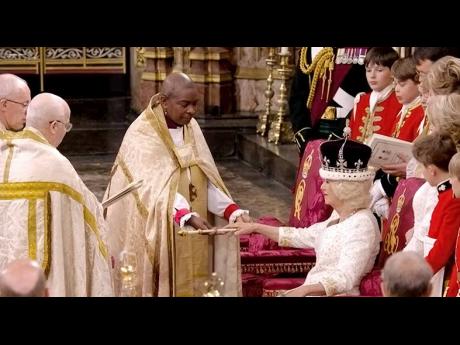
x: 268, y: 268
x: 400, y: 220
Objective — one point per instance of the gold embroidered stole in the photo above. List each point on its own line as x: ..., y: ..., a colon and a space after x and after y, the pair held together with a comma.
x: 191, y: 257
x: 191, y: 252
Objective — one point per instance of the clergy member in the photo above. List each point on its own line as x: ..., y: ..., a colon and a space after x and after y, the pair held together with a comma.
x: 166, y: 149
x: 48, y: 214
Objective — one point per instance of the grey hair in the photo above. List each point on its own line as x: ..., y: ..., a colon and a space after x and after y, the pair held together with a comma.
x: 356, y: 194
x: 406, y: 274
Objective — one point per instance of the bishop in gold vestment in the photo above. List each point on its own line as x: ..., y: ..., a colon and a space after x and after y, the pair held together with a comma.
x: 177, y: 168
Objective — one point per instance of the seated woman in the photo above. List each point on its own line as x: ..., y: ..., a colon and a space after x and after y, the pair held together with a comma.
x: 347, y: 243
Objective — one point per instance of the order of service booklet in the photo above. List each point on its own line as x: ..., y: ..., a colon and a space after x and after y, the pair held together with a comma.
x: 387, y: 150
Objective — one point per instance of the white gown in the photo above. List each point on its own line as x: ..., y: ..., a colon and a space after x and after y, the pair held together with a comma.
x: 345, y: 251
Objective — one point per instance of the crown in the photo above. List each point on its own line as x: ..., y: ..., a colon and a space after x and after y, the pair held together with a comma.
x: 345, y: 160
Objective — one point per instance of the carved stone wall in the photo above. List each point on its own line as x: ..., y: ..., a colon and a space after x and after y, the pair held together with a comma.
x: 251, y: 79
x: 211, y: 70
x: 229, y: 79
x: 149, y: 67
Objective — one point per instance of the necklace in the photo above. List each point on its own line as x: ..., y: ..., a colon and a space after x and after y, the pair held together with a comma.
x: 349, y: 215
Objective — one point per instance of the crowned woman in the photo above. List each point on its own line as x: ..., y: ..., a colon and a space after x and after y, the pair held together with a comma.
x: 347, y: 243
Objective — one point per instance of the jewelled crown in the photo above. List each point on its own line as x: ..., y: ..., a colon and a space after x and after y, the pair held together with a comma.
x: 345, y: 160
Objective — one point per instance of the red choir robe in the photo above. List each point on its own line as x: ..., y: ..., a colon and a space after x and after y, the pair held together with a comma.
x: 444, y: 226
x: 408, y: 125
x: 364, y: 123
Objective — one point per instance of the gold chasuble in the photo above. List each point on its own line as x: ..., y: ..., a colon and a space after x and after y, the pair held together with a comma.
x: 142, y: 222
x: 47, y: 214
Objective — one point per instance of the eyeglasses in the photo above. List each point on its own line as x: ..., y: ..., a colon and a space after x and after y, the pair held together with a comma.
x: 24, y: 104
x: 68, y: 125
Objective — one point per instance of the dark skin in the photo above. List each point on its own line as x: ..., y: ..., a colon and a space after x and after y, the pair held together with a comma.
x: 179, y: 99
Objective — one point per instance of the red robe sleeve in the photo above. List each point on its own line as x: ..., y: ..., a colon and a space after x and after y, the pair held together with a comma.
x: 444, y: 247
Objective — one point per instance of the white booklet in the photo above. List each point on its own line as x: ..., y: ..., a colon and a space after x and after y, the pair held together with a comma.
x: 385, y: 150
x: 128, y: 189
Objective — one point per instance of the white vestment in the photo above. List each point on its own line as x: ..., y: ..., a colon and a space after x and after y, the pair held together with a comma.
x: 49, y: 215
x: 142, y: 223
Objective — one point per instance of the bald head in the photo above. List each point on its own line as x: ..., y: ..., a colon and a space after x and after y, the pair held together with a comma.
x: 175, y: 82
x: 49, y: 114
x: 407, y: 274
x: 179, y: 98
x: 22, y: 278
x: 9, y: 84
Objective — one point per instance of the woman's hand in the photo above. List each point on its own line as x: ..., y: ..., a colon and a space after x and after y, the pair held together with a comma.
x: 300, y: 291
x: 241, y: 228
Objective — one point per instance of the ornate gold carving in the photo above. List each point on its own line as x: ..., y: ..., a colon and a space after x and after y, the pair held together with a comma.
x: 85, y: 58
x: 24, y: 59
x: 140, y: 56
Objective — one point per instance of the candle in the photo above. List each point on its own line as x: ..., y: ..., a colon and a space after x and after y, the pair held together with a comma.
x: 284, y: 51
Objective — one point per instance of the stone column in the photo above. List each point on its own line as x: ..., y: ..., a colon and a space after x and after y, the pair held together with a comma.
x: 210, y: 69
x: 154, y: 64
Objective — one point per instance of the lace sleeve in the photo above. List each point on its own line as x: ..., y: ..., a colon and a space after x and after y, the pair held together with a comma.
x: 299, y: 237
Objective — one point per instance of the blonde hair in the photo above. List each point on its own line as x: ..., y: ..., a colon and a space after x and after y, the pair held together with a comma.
x: 355, y: 194
x: 444, y: 76
x: 454, y: 166
x: 443, y: 113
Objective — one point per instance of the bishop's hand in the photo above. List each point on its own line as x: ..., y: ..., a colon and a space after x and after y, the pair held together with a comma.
x: 244, y: 218
x: 198, y: 223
